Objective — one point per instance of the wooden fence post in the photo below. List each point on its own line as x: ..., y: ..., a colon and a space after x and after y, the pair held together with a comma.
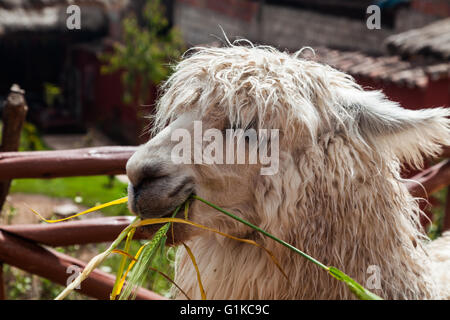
x: 14, y: 113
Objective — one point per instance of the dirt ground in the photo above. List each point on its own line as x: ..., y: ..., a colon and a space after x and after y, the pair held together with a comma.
x: 17, y: 208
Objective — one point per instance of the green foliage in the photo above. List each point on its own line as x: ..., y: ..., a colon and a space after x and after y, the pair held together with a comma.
x: 49, y: 290
x: 357, y: 289
x: 139, y: 273
x: 163, y: 260
x: 21, y: 285
x: 11, y: 212
x: 145, y: 52
x: 438, y: 214
x: 30, y: 139
x: 52, y: 93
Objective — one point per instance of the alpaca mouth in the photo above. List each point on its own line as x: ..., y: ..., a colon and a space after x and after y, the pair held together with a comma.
x: 169, y: 213
x: 179, y: 232
x: 181, y: 204
x: 159, y: 198
x: 179, y: 200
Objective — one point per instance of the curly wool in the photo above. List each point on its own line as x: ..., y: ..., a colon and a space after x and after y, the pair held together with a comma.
x: 338, y: 195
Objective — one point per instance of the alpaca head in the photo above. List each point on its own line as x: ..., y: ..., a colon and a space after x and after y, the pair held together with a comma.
x: 322, y: 118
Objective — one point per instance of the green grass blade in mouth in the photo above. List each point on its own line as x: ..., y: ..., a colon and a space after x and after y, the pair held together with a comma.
x: 357, y: 289
x: 284, y: 243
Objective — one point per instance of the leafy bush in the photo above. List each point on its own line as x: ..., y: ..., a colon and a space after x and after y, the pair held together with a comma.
x: 145, y: 53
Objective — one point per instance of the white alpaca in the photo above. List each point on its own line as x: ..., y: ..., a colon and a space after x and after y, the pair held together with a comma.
x: 337, y: 195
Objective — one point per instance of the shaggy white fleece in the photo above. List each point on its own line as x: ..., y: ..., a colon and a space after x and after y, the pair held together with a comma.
x: 338, y: 194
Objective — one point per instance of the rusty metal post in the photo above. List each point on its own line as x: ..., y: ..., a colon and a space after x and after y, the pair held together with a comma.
x: 14, y: 113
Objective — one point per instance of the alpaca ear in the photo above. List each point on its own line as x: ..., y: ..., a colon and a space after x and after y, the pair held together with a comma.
x: 408, y: 134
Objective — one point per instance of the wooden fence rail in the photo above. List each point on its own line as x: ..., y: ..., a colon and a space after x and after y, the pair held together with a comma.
x: 430, y: 180
x: 65, y: 163
x: 73, y: 232
x: 14, y: 113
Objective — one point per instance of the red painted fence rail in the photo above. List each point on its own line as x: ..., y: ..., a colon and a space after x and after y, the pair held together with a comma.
x: 65, y: 163
x: 73, y: 232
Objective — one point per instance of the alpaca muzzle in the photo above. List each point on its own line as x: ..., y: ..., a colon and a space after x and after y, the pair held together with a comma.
x: 159, y: 196
x: 157, y: 186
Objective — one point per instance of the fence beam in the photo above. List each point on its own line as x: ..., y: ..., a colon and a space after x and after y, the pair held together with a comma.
x: 65, y: 163
x: 14, y: 114
x: 53, y: 265
x: 74, y: 232
x: 430, y: 180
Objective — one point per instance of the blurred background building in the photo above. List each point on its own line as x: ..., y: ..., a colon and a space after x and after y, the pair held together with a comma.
x: 60, y: 69
x: 409, y: 57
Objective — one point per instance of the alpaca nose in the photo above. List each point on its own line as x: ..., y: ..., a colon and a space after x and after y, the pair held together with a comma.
x: 145, y: 174
x: 156, y: 189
